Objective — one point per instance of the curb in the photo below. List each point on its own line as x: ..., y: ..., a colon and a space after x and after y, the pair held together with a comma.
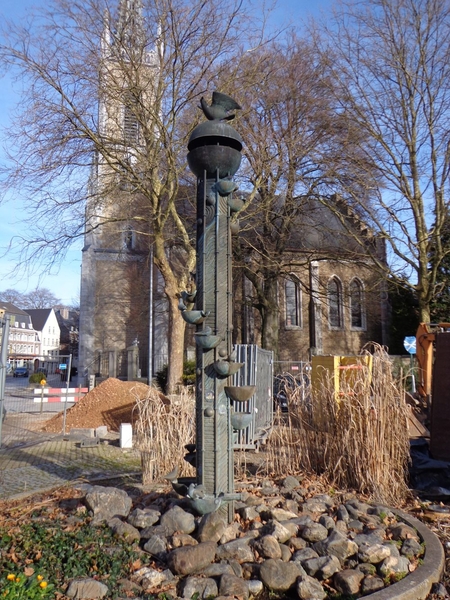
x: 417, y: 585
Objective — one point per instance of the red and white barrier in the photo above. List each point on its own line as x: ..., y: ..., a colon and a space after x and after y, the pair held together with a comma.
x: 59, y: 394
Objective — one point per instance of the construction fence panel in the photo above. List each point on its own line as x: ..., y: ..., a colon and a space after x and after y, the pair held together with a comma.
x: 28, y: 405
x: 257, y: 370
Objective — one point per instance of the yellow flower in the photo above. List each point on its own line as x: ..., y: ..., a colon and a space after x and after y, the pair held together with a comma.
x: 43, y: 584
x: 40, y: 577
x: 17, y: 578
x: 11, y: 577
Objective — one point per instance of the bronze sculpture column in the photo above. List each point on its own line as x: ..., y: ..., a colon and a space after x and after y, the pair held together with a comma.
x: 214, y: 157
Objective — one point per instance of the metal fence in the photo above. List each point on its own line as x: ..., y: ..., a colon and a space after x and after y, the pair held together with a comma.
x: 257, y: 370
x: 27, y: 406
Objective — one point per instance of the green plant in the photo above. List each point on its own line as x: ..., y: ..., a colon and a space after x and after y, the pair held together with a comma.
x: 49, y: 546
x: 37, y: 377
x: 24, y: 586
x: 189, y: 372
x: 187, y: 379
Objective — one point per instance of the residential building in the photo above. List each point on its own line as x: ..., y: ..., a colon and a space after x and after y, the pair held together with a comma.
x: 47, y: 329
x: 23, y: 340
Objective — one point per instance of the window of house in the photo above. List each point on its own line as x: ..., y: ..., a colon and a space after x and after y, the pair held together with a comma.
x: 356, y: 304
x: 334, y: 293
x: 292, y: 294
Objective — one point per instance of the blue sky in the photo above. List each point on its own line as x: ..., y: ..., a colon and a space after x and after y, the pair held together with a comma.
x: 64, y: 281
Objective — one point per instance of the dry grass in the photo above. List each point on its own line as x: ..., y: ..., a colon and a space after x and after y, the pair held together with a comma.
x: 162, y: 432
x: 358, y: 439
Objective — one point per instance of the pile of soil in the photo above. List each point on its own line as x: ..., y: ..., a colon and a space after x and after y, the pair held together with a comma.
x: 111, y: 403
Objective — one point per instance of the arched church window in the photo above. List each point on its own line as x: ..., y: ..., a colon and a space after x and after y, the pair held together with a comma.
x: 357, y: 304
x: 292, y: 293
x: 128, y: 238
x: 130, y: 120
x: 334, y: 294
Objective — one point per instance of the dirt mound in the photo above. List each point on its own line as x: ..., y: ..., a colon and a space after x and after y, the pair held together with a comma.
x: 110, y: 404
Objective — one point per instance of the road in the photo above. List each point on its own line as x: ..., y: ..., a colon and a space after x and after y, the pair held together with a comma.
x: 19, y: 395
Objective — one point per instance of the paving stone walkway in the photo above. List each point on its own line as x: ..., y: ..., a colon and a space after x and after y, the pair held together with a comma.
x: 41, y: 465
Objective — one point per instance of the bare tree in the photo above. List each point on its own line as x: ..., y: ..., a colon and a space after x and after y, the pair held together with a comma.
x: 12, y: 296
x: 389, y: 72
x: 58, y: 132
x: 298, y: 149
x: 39, y: 298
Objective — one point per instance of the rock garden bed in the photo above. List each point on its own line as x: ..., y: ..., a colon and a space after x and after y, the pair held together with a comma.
x: 285, y: 542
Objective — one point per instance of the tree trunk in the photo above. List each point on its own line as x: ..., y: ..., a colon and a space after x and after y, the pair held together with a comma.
x: 176, y: 346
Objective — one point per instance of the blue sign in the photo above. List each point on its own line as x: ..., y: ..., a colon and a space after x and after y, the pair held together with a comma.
x: 63, y: 366
x: 410, y: 344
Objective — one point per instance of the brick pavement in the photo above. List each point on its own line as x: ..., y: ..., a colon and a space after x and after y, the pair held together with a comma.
x: 56, y: 460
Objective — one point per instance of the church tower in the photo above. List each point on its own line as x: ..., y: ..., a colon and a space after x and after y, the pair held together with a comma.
x: 114, y: 296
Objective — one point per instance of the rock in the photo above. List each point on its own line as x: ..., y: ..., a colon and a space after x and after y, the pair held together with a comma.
x: 191, y: 559
x: 278, y: 575
x: 348, y: 581
x: 248, y: 513
x: 296, y: 543
x: 411, y: 548
x: 394, y: 566
x: 342, y: 514
x: 281, y: 531
x: 315, y: 506
x: 211, y: 527
x: 217, y: 570
x: 255, y: 587
x: 236, y: 550
x: 286, y: 554
x: 182, y: 539
x: 156, y: 546
x: 367, y: 568
x: 279, y: 514
x: 371, y: 584
x: 268, y: 547
x: 403, y: 532
x: 304, y: 554
x: 309, y: 588
x: 439, y: 591
x: 150, y: 578
x: 322, y: 567
x: 200, y: 587
x: 290, y: 483
x: 230, y: 585
x: 314, y: 533
x: 177, y: 519
x: 327, y: 522
x: 107, y: 502
x: 86, y: 589
x: 159, y: 530
x: 336, y: 544
x: 143, y: 518
x: 373, y: 553
x: 230, y: 533
x: 124, y: 530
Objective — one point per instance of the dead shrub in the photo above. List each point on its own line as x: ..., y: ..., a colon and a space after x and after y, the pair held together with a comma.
x: 356, y: 437
x: 161, y: 433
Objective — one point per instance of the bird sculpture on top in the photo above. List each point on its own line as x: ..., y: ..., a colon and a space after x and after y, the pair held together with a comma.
x: 219, y: 108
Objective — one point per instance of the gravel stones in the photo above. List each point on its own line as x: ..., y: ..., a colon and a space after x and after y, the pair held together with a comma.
x: 310, y: 549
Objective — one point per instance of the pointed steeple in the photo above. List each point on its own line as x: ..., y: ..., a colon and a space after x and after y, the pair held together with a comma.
x: 130, y: 24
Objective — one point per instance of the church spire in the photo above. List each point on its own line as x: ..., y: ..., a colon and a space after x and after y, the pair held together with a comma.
x: 130, y: 23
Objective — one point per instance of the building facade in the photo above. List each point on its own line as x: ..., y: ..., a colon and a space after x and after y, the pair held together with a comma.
x: 116, y: 273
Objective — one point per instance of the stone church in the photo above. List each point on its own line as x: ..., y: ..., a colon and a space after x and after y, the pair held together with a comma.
x: 116, y: 278
x: 329, y: 303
